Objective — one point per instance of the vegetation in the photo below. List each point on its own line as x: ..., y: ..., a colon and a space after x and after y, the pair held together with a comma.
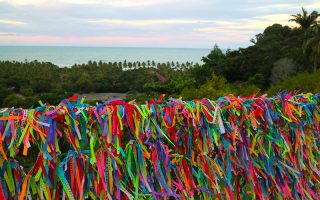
x: 305, y: 20
x: 281, y: 57
x: 303, y: 82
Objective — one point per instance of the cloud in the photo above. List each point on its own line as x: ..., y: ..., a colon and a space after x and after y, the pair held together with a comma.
x: 6, y: 33
x: 223, y: 30
x: 313, y: 6
x: 279, y: 6
x: 174, y: 23
x: 119, y: 3
x: 147, y: 22
x: 12, y: 22
x: 246, y: 26
x: 113, y: 3
x: 79, y: 40
x: 24, y: 2
x: 240, y: 31
x: 292, y: 6
x: 276, y: 18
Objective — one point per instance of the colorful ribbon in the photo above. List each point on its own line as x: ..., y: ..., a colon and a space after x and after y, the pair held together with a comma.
x: 231, y: 148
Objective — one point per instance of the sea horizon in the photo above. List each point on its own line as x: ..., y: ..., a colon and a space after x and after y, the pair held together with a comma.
x: 66, y: 56
x: 85, y: 46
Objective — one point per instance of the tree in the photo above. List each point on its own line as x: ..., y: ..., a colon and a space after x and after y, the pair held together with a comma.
x: 177, y: 64
x: 130, y: 65
x: 125, y: 64
x: 312, y: 47
x: 214, y: 57
x: 255, y: 63
x: 213, y: 88
x: 282, y: 69
x: 120, y: 64
x: 4, y: 92
x: 304, y: 82
x: 214, y: 61
x: 305, y: 20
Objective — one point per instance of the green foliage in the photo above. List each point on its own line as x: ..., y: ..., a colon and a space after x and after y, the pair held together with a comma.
x: 14, y: 100
x: 215, y: 58
x: 4, y: 92
x: 311, y: 46
x: 245, y: 89
x: 255, y: 63
x: 257, y: 79
x: 199, y: 75
x: 32, y: 81
x: 282, y: 69
x: 26, y: 91
x: 304, y: 82
x: 215, y: 87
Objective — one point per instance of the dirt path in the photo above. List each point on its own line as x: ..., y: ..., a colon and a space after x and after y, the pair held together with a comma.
x: 102, y: 96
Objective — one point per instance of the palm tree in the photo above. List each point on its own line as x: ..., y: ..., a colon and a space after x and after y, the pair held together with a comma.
x: 130, y: 65
x: 312, y: 47
x: 125, y: 64
x: 305, y: 20
x: 143, y: 64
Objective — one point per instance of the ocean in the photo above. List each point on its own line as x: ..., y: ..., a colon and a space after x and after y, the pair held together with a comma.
x: 67, y: 56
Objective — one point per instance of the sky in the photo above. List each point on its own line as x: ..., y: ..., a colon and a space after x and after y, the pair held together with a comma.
x: 142, y: 23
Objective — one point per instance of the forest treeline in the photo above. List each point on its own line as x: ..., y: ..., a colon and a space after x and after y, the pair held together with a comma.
x: 281, y: 57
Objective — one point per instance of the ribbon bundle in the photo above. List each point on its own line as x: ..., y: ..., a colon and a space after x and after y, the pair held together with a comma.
x: 231, y: 148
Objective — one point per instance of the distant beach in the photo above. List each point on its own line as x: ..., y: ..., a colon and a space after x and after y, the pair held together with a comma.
x: 67, y: 56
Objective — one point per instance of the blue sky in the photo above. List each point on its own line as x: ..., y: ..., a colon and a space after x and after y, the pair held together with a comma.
x: 142, y: 23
